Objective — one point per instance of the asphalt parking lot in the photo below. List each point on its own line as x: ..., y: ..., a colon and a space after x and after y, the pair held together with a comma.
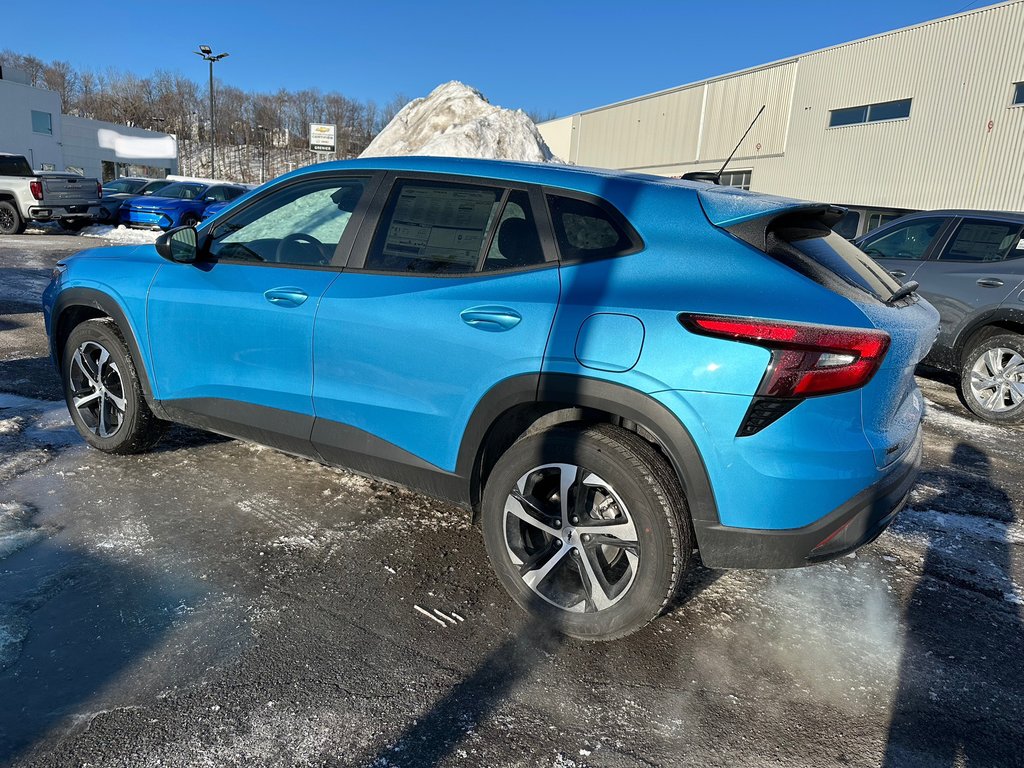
x: 217, y: 603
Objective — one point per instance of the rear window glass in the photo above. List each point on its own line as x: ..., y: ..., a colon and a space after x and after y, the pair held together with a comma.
x: 14, y: 165
x: 586, y: 230
x: 983, y: 241
x: 818, y: 246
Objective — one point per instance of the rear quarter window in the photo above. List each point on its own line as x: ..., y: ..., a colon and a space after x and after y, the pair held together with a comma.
x: 588, y: 230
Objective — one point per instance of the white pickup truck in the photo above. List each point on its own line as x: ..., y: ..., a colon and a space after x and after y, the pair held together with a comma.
x: 27, y: 195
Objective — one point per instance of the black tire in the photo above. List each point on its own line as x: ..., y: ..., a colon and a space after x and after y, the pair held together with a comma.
x: 1006, y: 403
x: 137, y: 429
x: 632, y: 474
x: 189, y: 220
x: 11, y: 222
x: 74, y: 225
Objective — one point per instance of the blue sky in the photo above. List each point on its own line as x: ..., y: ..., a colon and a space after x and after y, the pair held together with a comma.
x: 552, y: 57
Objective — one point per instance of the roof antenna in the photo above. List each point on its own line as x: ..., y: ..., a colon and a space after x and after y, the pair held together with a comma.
x: 713, y: 177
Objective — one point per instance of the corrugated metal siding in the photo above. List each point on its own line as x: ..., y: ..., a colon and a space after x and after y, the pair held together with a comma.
x: 557, y: 134
x: 643, y: 133
x: 959, y: 72
x: 732, y: 104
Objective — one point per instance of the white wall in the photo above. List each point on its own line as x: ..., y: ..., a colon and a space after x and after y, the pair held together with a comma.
x: 16, y: 136
x: 962, y: 146
x: 83, y: 139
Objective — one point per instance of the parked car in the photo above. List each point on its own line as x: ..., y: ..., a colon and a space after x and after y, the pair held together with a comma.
x: 970, y: 265
x: 27, y: 195
x: 607, y: 369
x: 110, y: 205
x: 179, y: 204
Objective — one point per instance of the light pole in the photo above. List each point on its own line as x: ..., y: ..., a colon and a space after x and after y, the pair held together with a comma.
x: 263, y: 152
x: 208, y: 55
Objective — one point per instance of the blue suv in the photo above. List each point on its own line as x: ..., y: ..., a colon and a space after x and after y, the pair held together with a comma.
x: 182, y: 203
x: 608, y: 371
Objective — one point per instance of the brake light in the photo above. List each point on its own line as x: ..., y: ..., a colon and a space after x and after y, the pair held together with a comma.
x: 99, y: 190
x: 36, y: 188
x: 806, y: 360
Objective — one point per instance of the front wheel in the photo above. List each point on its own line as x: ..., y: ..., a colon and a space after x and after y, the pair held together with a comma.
x: 992, y: 379
x: 587, y: 528
x: 103, y: 392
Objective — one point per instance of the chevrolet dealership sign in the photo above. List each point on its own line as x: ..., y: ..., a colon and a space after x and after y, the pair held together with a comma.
x: 322, y: 137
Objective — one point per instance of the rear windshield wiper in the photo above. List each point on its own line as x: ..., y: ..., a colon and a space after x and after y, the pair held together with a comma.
x: 903, y: 291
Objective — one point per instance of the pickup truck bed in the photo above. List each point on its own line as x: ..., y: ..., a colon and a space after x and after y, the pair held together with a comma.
x: 39, y: 196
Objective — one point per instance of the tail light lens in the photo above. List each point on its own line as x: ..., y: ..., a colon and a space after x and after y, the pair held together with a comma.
x: 36, y: 188
x: 807, y: 360
x: 99, y: 190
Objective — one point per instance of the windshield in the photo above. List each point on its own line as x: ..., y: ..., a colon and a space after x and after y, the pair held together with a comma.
x: 123, y: 185
x: 153, y: 187
x: 182, y: 191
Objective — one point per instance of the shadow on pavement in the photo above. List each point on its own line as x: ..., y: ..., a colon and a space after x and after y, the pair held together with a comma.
x: 961, y: 674
x: 71, y: 624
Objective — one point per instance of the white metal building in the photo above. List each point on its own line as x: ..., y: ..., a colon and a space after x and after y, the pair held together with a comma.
x: 31, y: 124
x: 930, y: 116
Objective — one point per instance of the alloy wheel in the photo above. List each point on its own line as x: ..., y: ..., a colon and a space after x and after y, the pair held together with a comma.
x: 7, y: 221
x: 571, y: 537
x: 97, y: 390
x: 997, y: 380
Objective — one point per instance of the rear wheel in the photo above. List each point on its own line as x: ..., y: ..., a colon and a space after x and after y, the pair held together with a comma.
x: 587, y: 528
x: 992, y: 379
x: 103, y: 393
x: 11, y: 222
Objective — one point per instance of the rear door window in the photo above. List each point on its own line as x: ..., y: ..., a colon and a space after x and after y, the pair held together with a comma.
x: 979, y: 240
x: 515, y: 243
x: 434, y: 227
x: 909, y: 241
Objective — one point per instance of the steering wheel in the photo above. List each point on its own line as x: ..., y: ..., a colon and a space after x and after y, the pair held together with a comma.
x: 319, y: 252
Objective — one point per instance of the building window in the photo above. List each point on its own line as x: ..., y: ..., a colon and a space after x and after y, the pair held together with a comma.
x: 42, y: 122
x: 870, y: 113
x: 1018, y: 94
x: 738, y: 179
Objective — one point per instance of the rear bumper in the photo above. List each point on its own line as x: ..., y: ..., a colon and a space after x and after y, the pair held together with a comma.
x: 50, y: 212
x: 856, y: 523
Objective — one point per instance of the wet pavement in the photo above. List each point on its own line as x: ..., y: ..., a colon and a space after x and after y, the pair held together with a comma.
x: 217, y: 603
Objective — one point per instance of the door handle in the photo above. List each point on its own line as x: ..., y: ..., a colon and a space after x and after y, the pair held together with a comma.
x: 897, y: 273
x: 491, y: 318
x: 286, y: 297
x: 990, y: 282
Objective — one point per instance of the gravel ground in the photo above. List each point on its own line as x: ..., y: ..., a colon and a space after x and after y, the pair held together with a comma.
x: 217, y: 603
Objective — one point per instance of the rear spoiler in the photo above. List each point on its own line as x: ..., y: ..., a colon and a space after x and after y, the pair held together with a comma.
x: 750, y: 216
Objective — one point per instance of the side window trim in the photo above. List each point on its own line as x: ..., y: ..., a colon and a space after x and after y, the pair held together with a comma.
x: 950, y: 236
x: 344, y: 248
x: 492, y: 232
x: 375, y: 209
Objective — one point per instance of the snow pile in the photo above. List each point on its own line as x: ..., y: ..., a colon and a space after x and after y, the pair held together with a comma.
x: 120, y: 234
x: 457, y: 121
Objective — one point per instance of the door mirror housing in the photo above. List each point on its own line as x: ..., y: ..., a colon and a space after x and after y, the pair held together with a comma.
x: 179, y: 245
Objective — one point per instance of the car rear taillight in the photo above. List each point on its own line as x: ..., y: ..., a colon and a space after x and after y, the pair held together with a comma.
x: 99, y: 190
x: 807, y: 360
x: 36, y: 188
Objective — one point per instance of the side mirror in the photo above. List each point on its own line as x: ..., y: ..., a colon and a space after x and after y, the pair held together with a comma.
x: 178, y: 245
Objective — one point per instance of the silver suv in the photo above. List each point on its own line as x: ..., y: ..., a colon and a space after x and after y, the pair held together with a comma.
x: 970, y: 265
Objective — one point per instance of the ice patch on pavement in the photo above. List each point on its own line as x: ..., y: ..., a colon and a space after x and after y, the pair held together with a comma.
x: 455, y: 120
x: 16, y: 528
x: 120, y: 234
x: 130, y: 537
x: 939, y: 416
x: 984, y: 528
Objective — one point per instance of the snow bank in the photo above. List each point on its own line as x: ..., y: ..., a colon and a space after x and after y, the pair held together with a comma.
x: 457, y: 121
x: 120, y: 234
